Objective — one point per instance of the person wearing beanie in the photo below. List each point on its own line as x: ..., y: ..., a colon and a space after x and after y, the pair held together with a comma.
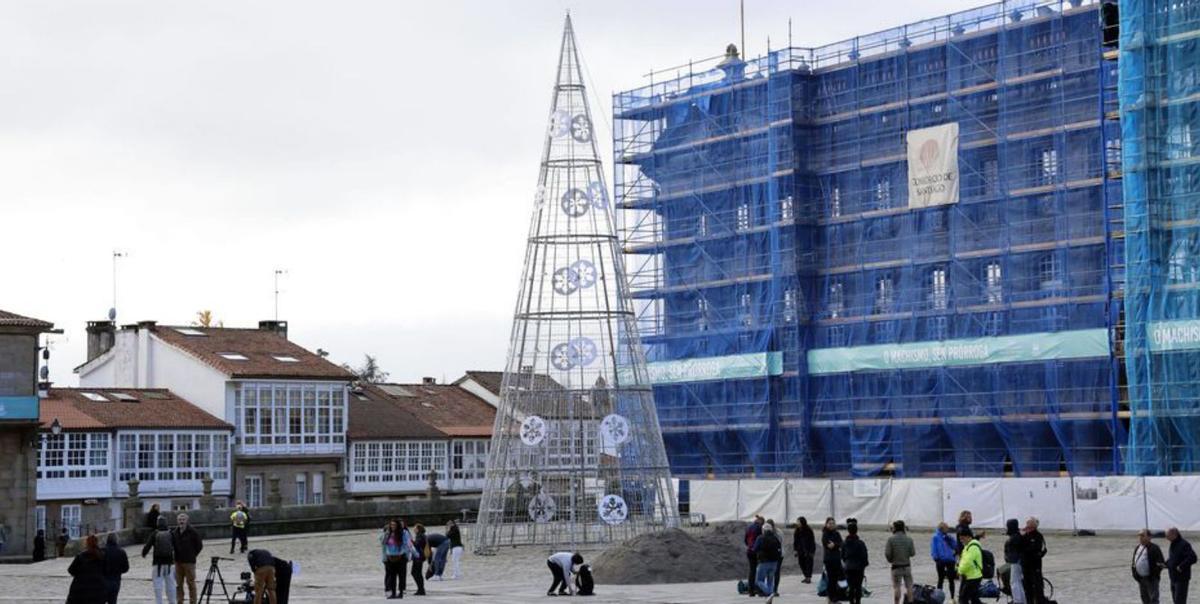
x: 855, y: 559
x: 899, y: 552
x: 1013, y: 547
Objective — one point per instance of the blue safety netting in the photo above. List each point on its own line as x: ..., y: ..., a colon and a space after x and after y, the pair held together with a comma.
x: 1159, y: 82
x: 765, y: 212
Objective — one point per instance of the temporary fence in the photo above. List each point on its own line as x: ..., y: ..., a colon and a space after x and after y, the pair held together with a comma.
x: 1059, y: 503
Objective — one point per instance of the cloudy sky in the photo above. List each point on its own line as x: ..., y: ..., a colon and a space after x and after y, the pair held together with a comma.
x: 383, y: 153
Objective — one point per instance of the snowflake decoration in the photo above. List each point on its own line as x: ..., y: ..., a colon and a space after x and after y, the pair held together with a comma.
x: 598, y: 194
x: 614, y: 429
x: 560, y: 124
x: 533, y: 430
x: 562, y: 357
x: 575, y: 203
x: 612, y: 509
x: 566, y: 281
x: 581, y: 128
x: 542, y: 508
x: 539, y: 199
x: 582, y: 351
x: 585, y: 273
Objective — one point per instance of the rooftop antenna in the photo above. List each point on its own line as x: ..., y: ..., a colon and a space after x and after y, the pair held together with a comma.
x: 112, y: 311
x: 742, y: 19
x: 278, y: 272
x: 789, y: 32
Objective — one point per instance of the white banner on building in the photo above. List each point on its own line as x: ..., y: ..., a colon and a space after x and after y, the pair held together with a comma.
x: 933, y: 166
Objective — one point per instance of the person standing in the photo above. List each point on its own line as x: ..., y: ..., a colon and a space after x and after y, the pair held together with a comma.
x: 87, y: 575
x: 855, y: 559
x: 1180, y: 558
x: 1014, y: 548
x: 396, y: 545
x: 420, y: 545
x: 831, y: 551
x: 753, y: 531
x: 163, y: 562
x: 562, y: 566
x: 456, y: 549
x: 1031, y: 562
x: 238, y: 520
x: 39, y: 545
x: 778, y: 567
x: 769, y: 552
x: 60, y: 543
x: 187, y: 544
x: 804, y: 545
x: 899, y: 552
x: 1147, y: 567
x: 970, y: 567
x: 151, y: 521
x: 943, y: 548
x: 116, y: 563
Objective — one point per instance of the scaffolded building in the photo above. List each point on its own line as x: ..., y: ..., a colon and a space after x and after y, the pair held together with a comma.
x: 905, y: 253
x: 577, y: 456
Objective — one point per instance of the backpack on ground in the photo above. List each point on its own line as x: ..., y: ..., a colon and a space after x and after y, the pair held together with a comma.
x: 989, y: 589
x: 928, y: 594
x: 743, y: 587
x: 584, y: 582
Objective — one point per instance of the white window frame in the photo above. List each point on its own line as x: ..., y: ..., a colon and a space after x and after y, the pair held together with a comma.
x: 71, y: 516
x: 398, y: 463
x: 786, y: 209
x: 939, y: 289
x: 252, y: 487
x: 185, y: 455
x: 885, y: 294
x: 468, y: 460
x: 837, y: 299
x: 74, y: 456
x: 39, y: 518
x: 290, y: 417
x: 318, y: 488
x: 743, y: 217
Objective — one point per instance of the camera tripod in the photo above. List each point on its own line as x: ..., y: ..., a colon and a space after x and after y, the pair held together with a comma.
x: 210, y: 580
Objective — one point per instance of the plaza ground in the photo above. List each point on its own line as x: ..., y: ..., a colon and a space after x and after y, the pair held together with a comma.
x: 345, y: 567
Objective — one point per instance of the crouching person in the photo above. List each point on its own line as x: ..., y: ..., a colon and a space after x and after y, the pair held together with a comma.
x: 271, y: 575
x: 562, y: 566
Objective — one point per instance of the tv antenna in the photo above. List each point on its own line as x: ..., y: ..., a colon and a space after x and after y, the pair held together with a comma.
x: 278, y: 272
x: 112, y: 311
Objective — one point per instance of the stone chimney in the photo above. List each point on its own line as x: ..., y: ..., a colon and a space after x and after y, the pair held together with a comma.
x: 428, y: 381
x: 100, y: 338
x: 278, y: 327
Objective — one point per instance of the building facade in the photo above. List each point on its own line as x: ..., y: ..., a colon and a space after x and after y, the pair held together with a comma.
x: 19, y: 406
x: 900, y: 254
x: 288, y: 405
x: 94, y: 442
x: 401, y: 433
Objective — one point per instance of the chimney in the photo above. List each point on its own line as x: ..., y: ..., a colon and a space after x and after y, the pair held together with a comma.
x: 428, y: 381
x: 279, y: 327
x: 100, y: 336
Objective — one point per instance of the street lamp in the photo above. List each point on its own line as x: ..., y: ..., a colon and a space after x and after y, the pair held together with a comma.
x: 55, y: 427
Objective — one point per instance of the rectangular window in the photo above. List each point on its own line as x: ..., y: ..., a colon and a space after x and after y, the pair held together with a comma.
x: 1048, y: 272
x: 1048, y: 166
x: 39, y: 518
x: 166, y: 455
x: 993, y: 283
x: 835, y: 202
x: 743, y: 217
x: 883, y: 194
x: 702, y: 314
x: 301, y: 489
x: 939, y: 296
x: 702, y: 227
x: 789, y: 305
x: 785, y: 209
x: 72, y: 520
x: 126, y: 457
x: 184, y: 457
x: 884, y: 295
x: 318, y: 488
x: 254, y: 491
x: 744, y: 307
x: 836, y: 299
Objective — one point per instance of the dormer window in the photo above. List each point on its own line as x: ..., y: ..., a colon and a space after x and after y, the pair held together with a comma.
x: 233, y: 356
x: 285, y: 359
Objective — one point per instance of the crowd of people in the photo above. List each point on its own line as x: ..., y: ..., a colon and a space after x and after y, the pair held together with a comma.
x: 427, y: 553
x: 958, y: 556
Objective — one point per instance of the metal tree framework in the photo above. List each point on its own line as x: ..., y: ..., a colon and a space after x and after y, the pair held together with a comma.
x: 577, y: 456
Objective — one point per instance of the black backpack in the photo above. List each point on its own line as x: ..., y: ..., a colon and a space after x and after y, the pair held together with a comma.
x: 989, y: 564
x: 583, y: 580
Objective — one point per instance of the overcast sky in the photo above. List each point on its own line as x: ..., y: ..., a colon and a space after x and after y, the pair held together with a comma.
x: 384, y: 153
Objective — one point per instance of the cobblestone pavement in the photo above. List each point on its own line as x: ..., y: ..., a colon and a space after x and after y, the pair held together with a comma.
x: 345, y: 567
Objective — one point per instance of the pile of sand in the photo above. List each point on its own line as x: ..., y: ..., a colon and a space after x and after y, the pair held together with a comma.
x: 714, y: 553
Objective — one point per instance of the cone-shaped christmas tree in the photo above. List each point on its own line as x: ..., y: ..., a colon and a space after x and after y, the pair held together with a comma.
x: 577, y: 456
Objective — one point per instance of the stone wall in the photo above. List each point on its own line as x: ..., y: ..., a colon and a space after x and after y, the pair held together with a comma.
x: 18, y: 489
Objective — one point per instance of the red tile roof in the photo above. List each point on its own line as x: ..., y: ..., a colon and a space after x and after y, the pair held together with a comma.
x: 260, y: 347
x: 375, y: 415
x: 446, y: 407
x: 12, y: 319
x: 152, y: 408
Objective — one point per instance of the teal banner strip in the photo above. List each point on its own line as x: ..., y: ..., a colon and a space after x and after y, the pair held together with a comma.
x: 18, y: 407
x: 732, y: 367
x: 1079, y: 344
x: 1166, y: 336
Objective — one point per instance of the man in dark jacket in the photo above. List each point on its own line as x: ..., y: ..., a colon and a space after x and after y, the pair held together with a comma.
x: 271, y: 575
x: 1032, y: 552
x: 187, y: 544
x: 769, y: 551
x: 753, y: 531
x: 1180, y: 558
x: 116, y: 563
x: 855, y: 559
x: 1147, y: 567
x: 804, y: 544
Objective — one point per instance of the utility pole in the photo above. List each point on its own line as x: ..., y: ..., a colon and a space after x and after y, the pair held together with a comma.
x: 742, y: 12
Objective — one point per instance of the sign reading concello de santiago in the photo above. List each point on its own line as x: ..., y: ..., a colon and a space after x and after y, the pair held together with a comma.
x: 933, y: 166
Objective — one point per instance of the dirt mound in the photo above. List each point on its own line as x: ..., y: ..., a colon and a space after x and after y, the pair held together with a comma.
x: 675, y: 556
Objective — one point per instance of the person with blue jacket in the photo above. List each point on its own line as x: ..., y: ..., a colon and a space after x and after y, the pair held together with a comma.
x: 942, y: 548
x: 395, y: 543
